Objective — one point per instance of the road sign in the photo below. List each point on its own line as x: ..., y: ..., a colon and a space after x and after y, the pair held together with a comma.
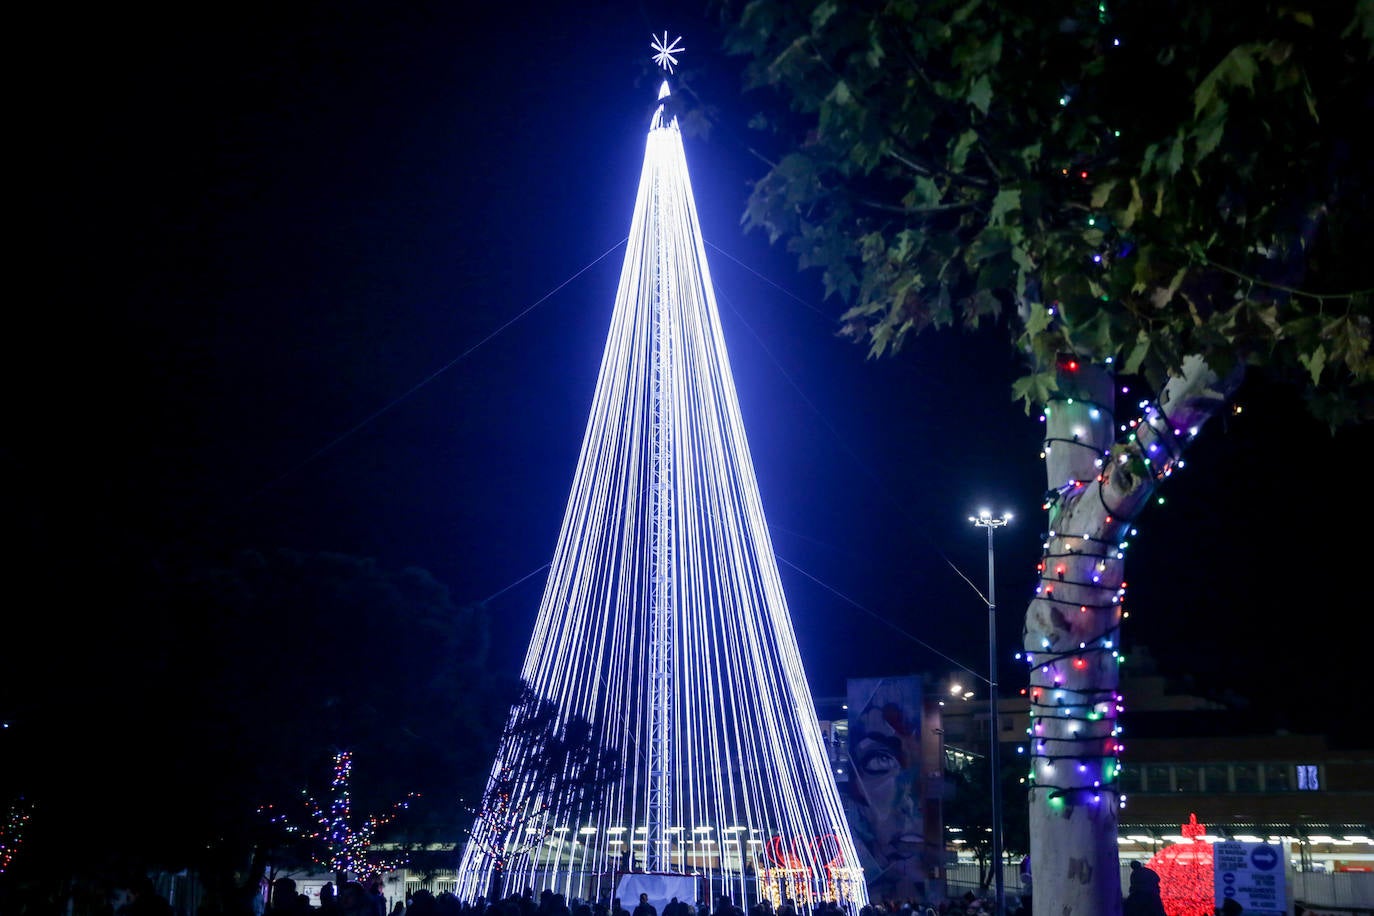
x: 1251, y: 874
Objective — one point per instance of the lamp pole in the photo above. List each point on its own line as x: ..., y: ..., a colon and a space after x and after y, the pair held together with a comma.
x: 985, y: 519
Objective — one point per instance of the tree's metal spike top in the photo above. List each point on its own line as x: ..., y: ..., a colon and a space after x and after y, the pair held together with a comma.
x: 663, y: 620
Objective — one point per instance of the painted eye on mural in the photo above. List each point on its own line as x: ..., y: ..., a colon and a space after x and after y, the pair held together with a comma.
x: 876, y: 757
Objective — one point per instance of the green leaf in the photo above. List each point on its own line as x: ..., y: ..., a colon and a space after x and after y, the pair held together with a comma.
x: 1207, y: 135
x: 1132, y: 211
x: 1038, y: 320
x: 1174, y: 160
x: 924, y: 193
x: 1008, y: 200
x: 958, y: 155
x: 1034, y: 390
x: 1138, y: 354
x: 982, y: 304
x: 1349, y: 337
x: 1101, y: 194
x: 989, y: 243
x: 1314, y: 363
x: 822, y: 13
x: 1237, y: 69
x: 980, y: 94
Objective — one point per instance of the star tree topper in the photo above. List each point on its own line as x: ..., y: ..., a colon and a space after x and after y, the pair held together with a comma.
x: 667, y: 52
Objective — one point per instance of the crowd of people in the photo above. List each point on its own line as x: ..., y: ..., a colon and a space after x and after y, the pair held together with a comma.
x: 550, y: 903
x: 356, y: 898
x: 353, y: 898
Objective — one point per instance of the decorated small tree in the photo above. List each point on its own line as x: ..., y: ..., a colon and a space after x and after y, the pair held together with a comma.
x: 334, y: 838
x: 12, y: 831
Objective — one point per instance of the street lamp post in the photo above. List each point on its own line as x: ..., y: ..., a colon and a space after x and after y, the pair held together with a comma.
x: 985, y: 519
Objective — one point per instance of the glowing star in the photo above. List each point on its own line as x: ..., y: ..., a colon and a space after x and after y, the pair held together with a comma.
x: 667, y: 51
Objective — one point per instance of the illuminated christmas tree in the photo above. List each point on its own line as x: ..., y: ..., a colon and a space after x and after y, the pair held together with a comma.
x: 663, y: 621
x: 338, y: 842
x: 12, y: 831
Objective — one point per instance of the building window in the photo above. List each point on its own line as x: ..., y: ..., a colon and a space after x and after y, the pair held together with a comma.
x: 1216, y: 778
x: 1186, y: 779
x: 1307, y: 778
x: 1278, y: 777
x: 1247, y: 777
x: 1157, y: 779
x: 1131, y: 780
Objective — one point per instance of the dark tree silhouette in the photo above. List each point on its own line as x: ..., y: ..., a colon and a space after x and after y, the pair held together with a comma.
x: 565, y: 757
x: 968, y: 808
x: 234, y: 686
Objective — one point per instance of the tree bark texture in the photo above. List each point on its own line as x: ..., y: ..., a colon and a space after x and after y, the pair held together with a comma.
x: 1101, y: 471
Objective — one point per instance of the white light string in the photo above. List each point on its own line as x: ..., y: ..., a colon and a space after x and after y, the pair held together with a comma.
x: 750, y: 802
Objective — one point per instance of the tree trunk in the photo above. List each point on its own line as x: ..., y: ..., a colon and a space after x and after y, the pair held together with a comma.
x: 496, y: 888
x: 1099, y: 477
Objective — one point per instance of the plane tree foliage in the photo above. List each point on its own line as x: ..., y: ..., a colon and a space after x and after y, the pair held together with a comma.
x: 1124, y: 181
x: 1174, y: 195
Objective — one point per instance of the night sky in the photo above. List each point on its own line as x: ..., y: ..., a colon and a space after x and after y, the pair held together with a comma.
x: 337, y: 277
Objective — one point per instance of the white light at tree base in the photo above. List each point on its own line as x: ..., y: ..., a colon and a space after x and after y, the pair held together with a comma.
x: 663, y: 618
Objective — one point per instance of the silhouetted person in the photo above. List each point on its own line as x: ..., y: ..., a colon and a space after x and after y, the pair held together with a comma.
x: 447, y: 904
x: 423, y: 904
x: 1143, y: 897
x: 286, y: 901
x: 354, y: 901
x: 374, y: 893
x: 144, y: 900
x: 645, y: 908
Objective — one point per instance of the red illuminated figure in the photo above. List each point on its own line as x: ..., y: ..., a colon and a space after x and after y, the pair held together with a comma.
x: 1185, y: 873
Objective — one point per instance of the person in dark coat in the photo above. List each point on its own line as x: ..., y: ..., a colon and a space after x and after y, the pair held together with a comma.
x: 354, y: 901
x: 1143, y: 898
x: 144, y: 900
x: 423, y: 904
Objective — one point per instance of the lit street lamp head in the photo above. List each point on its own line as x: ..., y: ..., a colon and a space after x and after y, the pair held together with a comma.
x: 985, y: 519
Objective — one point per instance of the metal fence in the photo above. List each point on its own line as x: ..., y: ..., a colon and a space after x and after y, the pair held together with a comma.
x: 1335, y: 891
x: 1331, y: 894
x: 1351, y: 892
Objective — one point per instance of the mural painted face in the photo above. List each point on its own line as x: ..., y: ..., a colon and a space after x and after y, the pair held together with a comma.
x: 885, y: 761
